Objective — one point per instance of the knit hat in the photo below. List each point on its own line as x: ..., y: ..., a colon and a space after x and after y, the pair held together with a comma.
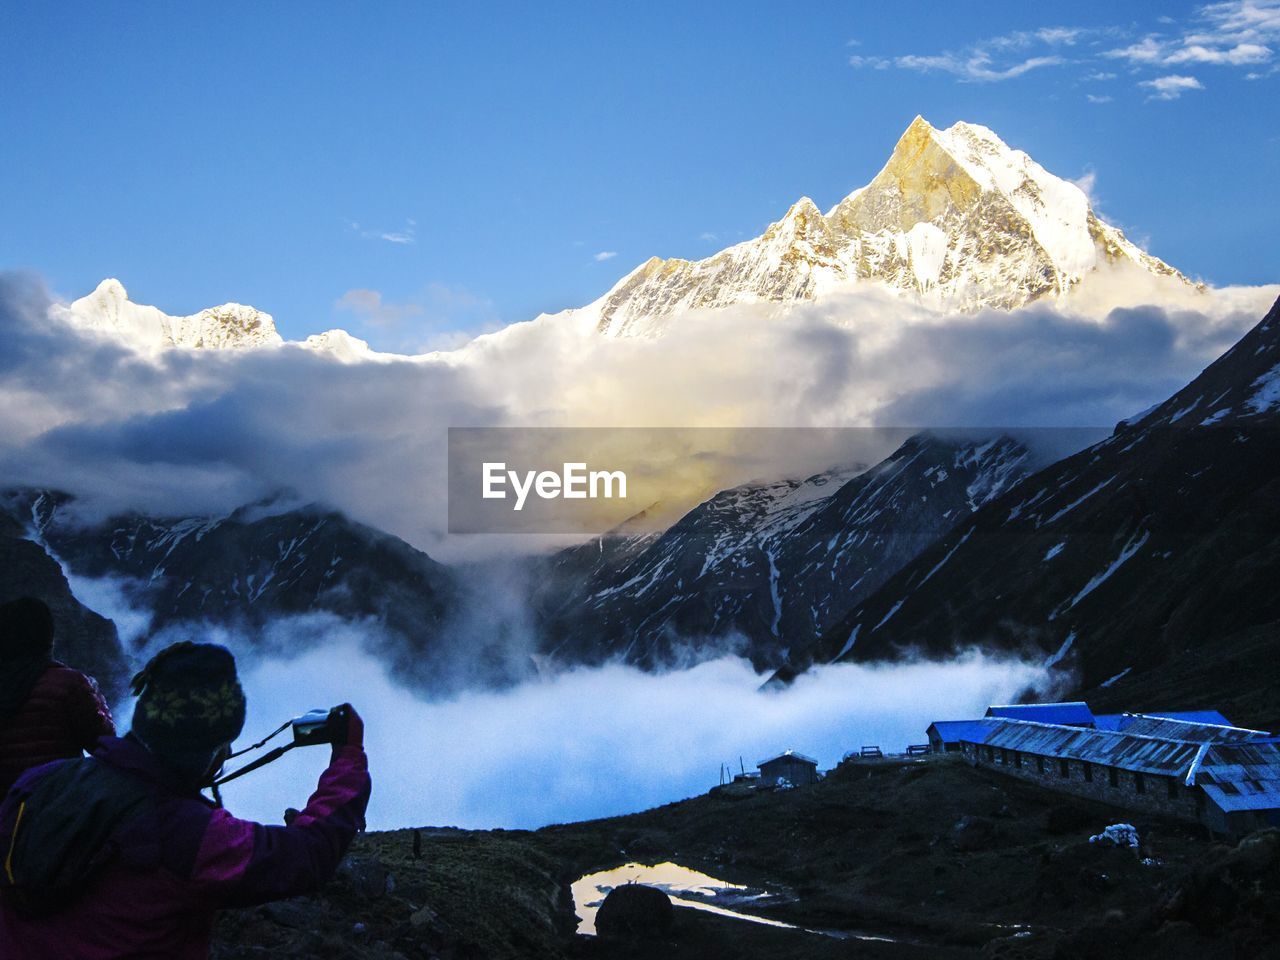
x: 189, y: 700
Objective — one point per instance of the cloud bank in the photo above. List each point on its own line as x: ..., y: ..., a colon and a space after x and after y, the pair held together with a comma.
x: 188, y: 433
x: 589, y: 742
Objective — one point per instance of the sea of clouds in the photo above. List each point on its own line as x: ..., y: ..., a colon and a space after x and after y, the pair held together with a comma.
x: 589, y: 742
x: 184, y: 433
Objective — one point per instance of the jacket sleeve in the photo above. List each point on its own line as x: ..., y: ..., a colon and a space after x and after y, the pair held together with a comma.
x: 91, y: 713
x: 241, y: 863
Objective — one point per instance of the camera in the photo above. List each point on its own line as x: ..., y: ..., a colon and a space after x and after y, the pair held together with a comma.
x: 314, y: 726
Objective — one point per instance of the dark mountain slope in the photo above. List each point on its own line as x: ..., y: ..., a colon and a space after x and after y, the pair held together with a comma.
x: 762, y: 563
x: 82, y: 638
x: 254, y: 566
x: 1143, y: 565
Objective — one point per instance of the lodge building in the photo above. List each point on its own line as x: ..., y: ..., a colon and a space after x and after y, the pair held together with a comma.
x: 1190, y: 766
x: 790, y: 767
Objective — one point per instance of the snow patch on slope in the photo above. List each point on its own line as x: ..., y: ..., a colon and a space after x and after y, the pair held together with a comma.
x: 1133, y: 546
x: 1266, y: 392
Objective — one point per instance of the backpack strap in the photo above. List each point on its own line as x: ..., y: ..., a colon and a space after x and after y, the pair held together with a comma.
x: 13, y: 837
x: 64, y: 829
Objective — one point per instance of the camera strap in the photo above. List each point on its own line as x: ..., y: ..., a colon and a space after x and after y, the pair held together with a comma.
x: 263, y: 742
x: 252, y: 765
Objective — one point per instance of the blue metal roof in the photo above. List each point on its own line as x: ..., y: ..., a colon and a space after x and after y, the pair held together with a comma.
x: 1238, y: 768
x: 1242, y: 776
x: 1105, y: 747
x: 1118, y: 721
x: 954, y: 731
x: 1170, y: 729
x: 1076, y: 713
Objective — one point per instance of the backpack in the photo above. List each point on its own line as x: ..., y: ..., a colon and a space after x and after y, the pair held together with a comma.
x: 63, y: 829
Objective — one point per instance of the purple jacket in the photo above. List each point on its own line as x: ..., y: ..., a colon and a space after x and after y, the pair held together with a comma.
x: 176, y: 865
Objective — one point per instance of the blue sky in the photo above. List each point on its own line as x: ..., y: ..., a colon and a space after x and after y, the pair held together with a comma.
x: 412, y: 170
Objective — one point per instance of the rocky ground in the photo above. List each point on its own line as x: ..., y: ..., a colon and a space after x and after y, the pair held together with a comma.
x: 940, y: 859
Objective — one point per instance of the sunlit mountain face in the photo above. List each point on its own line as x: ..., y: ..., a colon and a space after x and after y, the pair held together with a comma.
x: 956, y: 220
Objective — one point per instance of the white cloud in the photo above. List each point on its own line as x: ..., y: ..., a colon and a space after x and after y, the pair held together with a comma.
x: 369, y: 307
x: 708, y: 236
x: 408, y: 234
x: 1067, y: 36
x: 1171, y: 87
x: 1232, y: 34
x: 1242, y: 20
x: 1241, y: 53
x: 987, y: 61
x: 1147, y: 50
x: 1086, y: 182
x: 1022, y: 39
x: 976, y: 67
x: 1098, y: 98
x: 1240, y: 33
x: 876, y: 63
x: 588, y: 742
x: 205, y: 432
x: 604, y: 255
x: 437, y: 317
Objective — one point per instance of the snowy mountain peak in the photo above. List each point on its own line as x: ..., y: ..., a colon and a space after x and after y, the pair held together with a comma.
x: 109, y: 312
x: 339, y: 345
x: 110, y: 290
x: 803, y: 211
x: 956, y: 217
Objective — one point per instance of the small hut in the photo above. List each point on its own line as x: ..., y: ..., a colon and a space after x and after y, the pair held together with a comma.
x: 795, y: 768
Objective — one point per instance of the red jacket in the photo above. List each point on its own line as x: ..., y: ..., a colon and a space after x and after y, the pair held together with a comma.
x: 63, y: 715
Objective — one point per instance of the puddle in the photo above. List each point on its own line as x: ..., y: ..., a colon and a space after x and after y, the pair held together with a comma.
x: 686, y: 888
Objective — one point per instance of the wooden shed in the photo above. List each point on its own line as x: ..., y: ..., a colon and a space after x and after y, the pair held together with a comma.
x: 795, y: 768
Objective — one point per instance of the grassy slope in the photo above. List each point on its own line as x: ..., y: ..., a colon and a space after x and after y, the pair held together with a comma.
x: 872, y: 848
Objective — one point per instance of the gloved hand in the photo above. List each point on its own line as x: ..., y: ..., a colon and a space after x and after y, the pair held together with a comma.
x: 345, y: 727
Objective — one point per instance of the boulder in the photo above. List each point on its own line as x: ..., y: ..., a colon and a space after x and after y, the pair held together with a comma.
x: 635, y: 911
x: 368, y: 876
x: 972, y: 832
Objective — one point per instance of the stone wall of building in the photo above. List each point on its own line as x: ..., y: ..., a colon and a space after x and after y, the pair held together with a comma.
x: 792, y: 769
x: 1146, y: 793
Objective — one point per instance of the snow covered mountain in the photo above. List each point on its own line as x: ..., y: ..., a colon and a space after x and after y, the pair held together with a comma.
x: 1144, y: 567
x: 761, y: 566
x: 109, y: 312
x: 956, y: 218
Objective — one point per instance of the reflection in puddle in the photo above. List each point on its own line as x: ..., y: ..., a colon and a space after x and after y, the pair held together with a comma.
x: 686, y: 888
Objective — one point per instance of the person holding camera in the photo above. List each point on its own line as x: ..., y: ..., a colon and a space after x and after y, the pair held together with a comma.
x: 120, y: 855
